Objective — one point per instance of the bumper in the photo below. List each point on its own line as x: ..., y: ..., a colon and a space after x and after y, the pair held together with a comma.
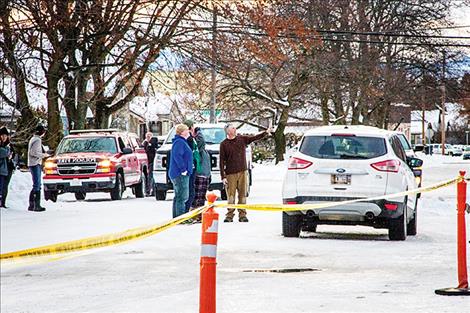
x: 91, y: 184
x: 359, y: 212
x: 163, y: 183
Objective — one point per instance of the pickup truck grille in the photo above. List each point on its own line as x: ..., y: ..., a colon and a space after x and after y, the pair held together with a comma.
x: 77, y: 168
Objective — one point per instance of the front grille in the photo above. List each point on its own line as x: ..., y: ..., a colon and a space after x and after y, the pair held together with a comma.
x: 77, y: 168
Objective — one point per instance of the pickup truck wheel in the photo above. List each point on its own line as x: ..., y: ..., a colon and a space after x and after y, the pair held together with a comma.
x: 139, y: 188
x: 160, y: 194
x: 51, y: 195
x: 397, y: 227
x: 116, y: 193
x: 291, y: 225
x: 223, y: 194
x: 80, y: 195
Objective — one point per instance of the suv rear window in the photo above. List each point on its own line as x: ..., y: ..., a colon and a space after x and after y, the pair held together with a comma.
x: 212, y: 135
x: 87, y: 144
x: 343, y: 147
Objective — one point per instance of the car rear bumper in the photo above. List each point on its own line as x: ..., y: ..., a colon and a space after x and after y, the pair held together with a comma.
x: 91, y: 184
x: 366, y: 211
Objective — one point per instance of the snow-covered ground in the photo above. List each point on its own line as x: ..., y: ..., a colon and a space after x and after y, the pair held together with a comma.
x: 357, y: 268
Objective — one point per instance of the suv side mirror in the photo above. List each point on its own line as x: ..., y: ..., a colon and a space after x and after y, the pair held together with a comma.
x: 50, y: 152
x: 127, y: 150
x: 415, y: 162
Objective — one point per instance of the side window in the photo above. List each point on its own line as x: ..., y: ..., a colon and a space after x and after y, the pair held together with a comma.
x: 398, y: 148
x: 136, y: 143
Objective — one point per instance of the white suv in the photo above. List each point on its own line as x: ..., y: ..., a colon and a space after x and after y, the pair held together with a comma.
x: 338, y: 163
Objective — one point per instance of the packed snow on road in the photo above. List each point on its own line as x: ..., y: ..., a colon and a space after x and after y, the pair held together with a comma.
x: 350, y: 268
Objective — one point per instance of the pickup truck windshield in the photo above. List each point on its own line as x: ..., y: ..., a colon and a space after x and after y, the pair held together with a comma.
x: 87, y: 144
x: 211, y: 135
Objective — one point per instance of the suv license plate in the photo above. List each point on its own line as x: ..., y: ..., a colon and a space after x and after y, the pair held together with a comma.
x: 341, y: 179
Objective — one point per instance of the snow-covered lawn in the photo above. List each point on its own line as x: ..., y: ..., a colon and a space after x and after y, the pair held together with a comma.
x: 357, y: 268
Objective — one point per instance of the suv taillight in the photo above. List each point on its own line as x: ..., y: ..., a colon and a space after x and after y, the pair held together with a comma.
x: 298, y: 164
x: 387, y: 166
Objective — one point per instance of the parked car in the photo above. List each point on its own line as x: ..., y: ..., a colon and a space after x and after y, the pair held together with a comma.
x: 213, y: 134
x: 337, y: 163
x: 455, y: 150
x: 104, y: 160
x: 466, y: 153
x: 437, y: 148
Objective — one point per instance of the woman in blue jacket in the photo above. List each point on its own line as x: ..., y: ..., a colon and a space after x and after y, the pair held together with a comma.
x: 181, y: 168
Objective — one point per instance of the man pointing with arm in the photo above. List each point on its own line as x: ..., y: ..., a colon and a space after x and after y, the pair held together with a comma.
x: 233, y: 168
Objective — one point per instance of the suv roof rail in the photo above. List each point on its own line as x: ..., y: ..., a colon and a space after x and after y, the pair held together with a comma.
x: 84, y: 131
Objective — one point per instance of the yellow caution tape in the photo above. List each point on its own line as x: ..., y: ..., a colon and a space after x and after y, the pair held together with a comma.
x: 312, y: 206
x: 103, y: 240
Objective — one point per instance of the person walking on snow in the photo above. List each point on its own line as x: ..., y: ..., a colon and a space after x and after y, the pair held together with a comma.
x: 181, y: 167
x: 233, y: 168
x: 150, y: 147
x: 4, y: 158
x: 36, y: 154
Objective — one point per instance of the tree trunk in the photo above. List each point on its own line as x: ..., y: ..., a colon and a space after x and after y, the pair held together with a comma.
x: 101, y: 116
x: 324, y: 110
x: 279, y: 137
x: 54, y: 124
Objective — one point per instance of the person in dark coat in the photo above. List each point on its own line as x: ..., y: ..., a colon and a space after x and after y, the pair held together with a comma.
x: 150, y: 146
x: 5, y: 156
x: 5, y: 139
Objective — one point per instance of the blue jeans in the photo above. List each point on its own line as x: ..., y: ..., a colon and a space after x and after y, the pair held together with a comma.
x: 192, y: 191
x: 36, y: 173
x: 181, y: 187
x: 2, y: 184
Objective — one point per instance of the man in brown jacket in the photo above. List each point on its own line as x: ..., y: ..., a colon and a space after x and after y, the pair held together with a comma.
x: 233, y: 169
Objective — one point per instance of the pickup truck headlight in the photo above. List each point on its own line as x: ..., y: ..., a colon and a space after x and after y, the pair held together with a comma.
x: 50, y: 167
x: 104, y: 166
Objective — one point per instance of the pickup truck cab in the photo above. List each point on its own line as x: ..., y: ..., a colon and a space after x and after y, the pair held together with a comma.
x: 101, y: 160
x: 213, y: 134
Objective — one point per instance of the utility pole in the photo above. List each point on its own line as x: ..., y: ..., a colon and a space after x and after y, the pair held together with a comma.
x: 423, y: 119
x: 443, y: 111
x: 214, y: 62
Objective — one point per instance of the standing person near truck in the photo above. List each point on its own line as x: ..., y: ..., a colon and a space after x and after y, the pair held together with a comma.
x: 181, y: 168
x: 5, y: 154
x: 233, y: 168
x: 196, y: 164
x: 5, y: 142
x: 203, y: 172
x: 36, y: 154
x: 150, y: 147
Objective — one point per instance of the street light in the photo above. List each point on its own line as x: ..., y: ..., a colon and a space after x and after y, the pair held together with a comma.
x: 466, y: 136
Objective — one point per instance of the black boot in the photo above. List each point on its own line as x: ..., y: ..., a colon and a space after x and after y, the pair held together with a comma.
x: 31, y: 201
x: 37, y: 202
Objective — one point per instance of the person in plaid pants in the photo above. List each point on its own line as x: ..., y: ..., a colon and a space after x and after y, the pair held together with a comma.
x: 203, y: 172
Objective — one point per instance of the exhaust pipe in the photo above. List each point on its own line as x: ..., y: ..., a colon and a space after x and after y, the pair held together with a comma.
x: 310, y: 213
x: 370, y: 216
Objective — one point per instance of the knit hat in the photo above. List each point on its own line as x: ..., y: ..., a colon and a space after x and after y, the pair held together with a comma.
x: 189, y: 123
x: 40, y: 129
x: 4, y: 131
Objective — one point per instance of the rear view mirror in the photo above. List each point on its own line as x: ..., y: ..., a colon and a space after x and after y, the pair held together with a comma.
x: 415, y: 162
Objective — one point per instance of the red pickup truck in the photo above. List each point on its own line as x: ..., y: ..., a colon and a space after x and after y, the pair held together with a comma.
x: 100, y: 160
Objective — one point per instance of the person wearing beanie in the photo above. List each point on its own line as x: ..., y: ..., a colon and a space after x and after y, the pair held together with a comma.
x: 181, y: 168
x: 36, y: 154
x: 4, y: 156
x: 196, y: 162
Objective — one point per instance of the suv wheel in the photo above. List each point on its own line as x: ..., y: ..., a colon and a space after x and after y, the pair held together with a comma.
x: 160, y: 194
x: 291, y: 224
x: 397, y: 227
x: 117, y: 191
x: 411, y: 228
x: 139, y: 188
x: 80, y: 195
